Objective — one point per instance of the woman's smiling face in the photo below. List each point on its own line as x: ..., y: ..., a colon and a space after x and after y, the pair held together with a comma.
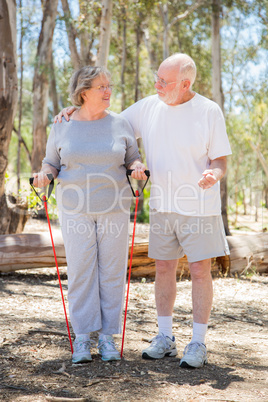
x: 98, y: 96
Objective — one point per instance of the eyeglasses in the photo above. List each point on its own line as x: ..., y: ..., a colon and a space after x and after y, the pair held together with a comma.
x: 103, y: 88
x: 162, y: 82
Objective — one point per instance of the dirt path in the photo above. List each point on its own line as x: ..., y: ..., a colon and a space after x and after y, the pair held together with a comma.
x: 36, y: 364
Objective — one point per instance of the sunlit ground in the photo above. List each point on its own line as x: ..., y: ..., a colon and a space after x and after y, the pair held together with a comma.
x: 254, y: 222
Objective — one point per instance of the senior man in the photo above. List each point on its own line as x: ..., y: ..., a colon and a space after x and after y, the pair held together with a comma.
x: 186, y: 145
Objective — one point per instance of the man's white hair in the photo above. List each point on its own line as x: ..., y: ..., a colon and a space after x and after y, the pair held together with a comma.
x: 187, y: 66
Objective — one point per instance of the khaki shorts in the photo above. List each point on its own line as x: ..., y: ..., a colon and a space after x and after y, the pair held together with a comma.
x: 172, y: 235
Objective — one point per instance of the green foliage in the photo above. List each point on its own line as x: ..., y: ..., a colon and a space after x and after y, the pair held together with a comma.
x: 244, y: 71
x: 35, y: 204
x: 63, y: 76
x: 144, y: 216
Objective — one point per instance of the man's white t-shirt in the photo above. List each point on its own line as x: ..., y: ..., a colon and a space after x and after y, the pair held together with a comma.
x: 179, y: 142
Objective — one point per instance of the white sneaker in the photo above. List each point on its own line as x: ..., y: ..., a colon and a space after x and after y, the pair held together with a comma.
x: 160, y: 347
x: 194, y: 355
x: 107, y: 349
x: 81, y: 352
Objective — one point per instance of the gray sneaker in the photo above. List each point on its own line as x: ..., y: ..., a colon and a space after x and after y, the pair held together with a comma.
x: 194, y: 355
x: 81, y: 352
x: 160, y: 347
x: 107, y: 349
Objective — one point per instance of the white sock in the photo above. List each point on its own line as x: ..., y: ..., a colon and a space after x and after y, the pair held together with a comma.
x: 165, y: 325
x: 199, y: 332
x: 84, y: 337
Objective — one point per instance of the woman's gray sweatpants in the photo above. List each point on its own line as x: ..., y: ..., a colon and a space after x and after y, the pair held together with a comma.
x: 96, y: 249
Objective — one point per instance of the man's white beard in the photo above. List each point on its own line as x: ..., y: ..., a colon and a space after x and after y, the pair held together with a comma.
x: 169, y: 99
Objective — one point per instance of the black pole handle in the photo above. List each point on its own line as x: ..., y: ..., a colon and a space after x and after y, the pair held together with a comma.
x: 50, y: 189
x: 129, y: 171
x: 49, y: 176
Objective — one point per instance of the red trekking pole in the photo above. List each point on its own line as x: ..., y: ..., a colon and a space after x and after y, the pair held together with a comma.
x: 44, y: 200
x: 136, y: 195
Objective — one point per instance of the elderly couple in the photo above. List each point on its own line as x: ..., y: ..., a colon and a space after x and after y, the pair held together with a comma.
x: 186, y: 145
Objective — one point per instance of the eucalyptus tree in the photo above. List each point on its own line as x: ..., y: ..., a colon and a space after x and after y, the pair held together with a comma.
x: 41, y: 83
x: 105, y: 32
x: 217, y: 92
x: 257, y: 134
x: 83, y: 31
x: 244, y: 69
x: 72, y: 34
x: 11, y: 219
x: 163, y: 8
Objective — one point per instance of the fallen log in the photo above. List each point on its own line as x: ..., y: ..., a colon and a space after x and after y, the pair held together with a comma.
x: 249, y: 252
x: 33, y: 250
x: 144, y: 267
x: 30, y: 250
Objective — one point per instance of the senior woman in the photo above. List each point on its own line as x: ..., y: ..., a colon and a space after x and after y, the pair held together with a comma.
x: 89, y: 156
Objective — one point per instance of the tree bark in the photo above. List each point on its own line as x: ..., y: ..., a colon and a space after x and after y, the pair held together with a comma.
x: 137, y: 97
x: 217, y: 93
x: 260, y: 156
x: 86, y: 32
x: 20, y: 96
x: 41, y: 84
x: 152, y: 56
x: 105, y: 33
x: 72, y: 35
x: 53, y: 88
x: 137, y: 71
x: 164, y: 13
x: 123, y: 63
x: 8, y: 81
x: 9, y: 218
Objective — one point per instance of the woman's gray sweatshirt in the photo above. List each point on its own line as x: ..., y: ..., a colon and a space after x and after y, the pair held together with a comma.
x: 91, y: 157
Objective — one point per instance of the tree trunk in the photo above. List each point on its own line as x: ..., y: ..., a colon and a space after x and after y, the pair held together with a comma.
x: 152, y: 56
x: 71, y: 32
x: 137, y: 97
x: 123, y: 63
x: 10, y: 218
x: 20, y: 97
x: 105, y: 33
x: 163, y: 8
x: 41, y: 84
x: 86, y: 31
x: 244, y: 201
x: 53, y: 88
x: 257, y: 205
x: 260, y: 156
x: 164, y: 13
x: 137, y: 72
x: 217, y: 93
x: 216, y: 55
x: 8, y: 82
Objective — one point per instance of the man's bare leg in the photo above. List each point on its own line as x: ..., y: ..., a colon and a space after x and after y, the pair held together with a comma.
x: 165, y: 286
x: 202, y: 290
